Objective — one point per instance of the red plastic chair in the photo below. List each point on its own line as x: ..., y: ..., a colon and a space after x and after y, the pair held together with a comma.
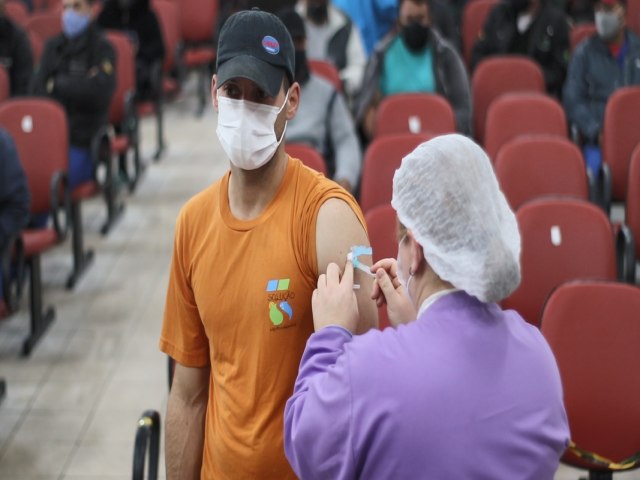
x: 381, y: 160
x: 620, y: 136
x: 414, y: 113
x: 46, y: 25
x: 328, y: 71
x: 39, y: 129
x: 382, y: 226
x: 516, y: 114
x: 594, y: 333
x: 562, y: 239
x: 496, y: 76
x: 632, y: 209
x: 580, y: 33
x: 308, y: 155
x: 533, y: 166
x: 5, y: 84
x: 198, y: 19
x: 17, y: 12
x: 122, y: 112
x: 474, y: 16
x: 633, y: 15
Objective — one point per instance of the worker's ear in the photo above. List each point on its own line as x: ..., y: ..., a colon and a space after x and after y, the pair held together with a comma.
x: 416, y: 254
x: 294, y: 100
x: 214, y: 97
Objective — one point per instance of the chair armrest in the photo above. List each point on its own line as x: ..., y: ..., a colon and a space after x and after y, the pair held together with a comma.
x: 12, y: 257
x: 147, y: 438
x: 60, y: 204
x: 625, y: 253
x: 605, y: 187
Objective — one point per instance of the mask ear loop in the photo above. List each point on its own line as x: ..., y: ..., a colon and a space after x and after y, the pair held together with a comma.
x: 286, y: 122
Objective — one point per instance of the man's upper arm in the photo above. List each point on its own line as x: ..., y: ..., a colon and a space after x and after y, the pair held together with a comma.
x: 338, y: 229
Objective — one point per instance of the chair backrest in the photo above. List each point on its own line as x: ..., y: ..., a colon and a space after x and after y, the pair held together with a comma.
x: 5, y: 84
x: 474, y: 16
x: 381, y: 160
x: 328, y: 71
x: 198, y: 20
x: 495, y: 76
x: 168, y: 15
x: 620, y: 136
x: 633, y: 15
x: 594, y: 333
x: 632, y: 208
x: 382, y: 228
x: 562, y: 239
x: 125, y: 75
x: 46, y: 25
x: 17, y: 12
x: 533, y: 166
x: 37, y: 46
x: 308, y: 155
x: 580, y: 33
x: 39, y: 130
x: 414, y: 113
x: 514, y: 114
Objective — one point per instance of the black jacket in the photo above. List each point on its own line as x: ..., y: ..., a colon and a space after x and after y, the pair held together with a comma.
x: 141, y: 23
x: 80, y: 74
x: 14, y: 191
x: 546, y: 41
x: 16, y: 56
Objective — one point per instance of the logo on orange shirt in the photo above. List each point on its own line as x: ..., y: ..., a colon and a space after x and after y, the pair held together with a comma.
x: 278, y: 298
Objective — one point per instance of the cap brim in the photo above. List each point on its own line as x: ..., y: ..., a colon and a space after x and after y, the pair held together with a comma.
x: 266, y: 76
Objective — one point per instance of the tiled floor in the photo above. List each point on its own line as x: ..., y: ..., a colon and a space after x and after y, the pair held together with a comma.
x: 72, y: 407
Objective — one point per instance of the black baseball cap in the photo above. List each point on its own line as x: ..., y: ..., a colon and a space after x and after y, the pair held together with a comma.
x: 257, y: 46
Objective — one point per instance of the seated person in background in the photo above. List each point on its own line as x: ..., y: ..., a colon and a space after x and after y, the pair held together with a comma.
x: 600, y: 65
x: 333, y: 37
x: 459, y: 388
x: 139, y: 22
x: 414, y: 59
x: 14, y: 200
x: 77, y: 70
x: 376, y: 18
x: 15, y: 54
x: 534, y: 28
x: 323, y: 120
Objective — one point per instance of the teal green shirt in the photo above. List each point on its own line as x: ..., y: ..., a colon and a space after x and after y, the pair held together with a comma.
x: 405, y: 71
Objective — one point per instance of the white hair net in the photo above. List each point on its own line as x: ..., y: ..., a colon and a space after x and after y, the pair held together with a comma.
x: 446, y: 193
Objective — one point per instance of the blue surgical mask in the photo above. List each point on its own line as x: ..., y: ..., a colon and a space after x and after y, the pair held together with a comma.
x: 74, y: 23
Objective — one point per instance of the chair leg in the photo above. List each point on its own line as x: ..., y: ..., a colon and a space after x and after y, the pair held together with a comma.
x: 202, y: 89
x: 81, y: 258
x: 137, y: 161
x: 160, y: 127
x: 40, y: 320
x: 599, y: 475
x: 111, y: 191
x: 3, y: 389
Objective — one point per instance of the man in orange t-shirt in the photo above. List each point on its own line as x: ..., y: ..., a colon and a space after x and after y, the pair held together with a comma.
x: 247, y: 255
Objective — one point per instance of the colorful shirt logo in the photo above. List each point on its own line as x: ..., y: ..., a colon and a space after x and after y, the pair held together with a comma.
x: 270, y: 45
x: 278, y: 297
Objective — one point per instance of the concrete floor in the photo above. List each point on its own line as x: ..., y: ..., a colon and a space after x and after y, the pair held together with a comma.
x: 72, y: 407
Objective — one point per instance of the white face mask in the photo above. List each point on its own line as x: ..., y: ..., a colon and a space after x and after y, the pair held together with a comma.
x: 246, y: 131
x: 607, y: 25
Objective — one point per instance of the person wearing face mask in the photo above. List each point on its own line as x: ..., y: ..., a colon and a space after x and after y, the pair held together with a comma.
x: 248, y: 252
x: 77, y: 69
x: 414, y: 58
x: 139, y: 22
x: 333, y: 37
x: 608, y: 60
x: 457, y: 388
x: 323, y: 120
x: 15, y: 54
x: 534, y: 28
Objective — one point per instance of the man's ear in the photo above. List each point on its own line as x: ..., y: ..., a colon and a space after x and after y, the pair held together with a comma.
x: 294, y: 100
x: 214, y: 97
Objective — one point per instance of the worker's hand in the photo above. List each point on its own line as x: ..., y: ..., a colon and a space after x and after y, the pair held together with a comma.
x: 387, y: 289
x: 334, y: 301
